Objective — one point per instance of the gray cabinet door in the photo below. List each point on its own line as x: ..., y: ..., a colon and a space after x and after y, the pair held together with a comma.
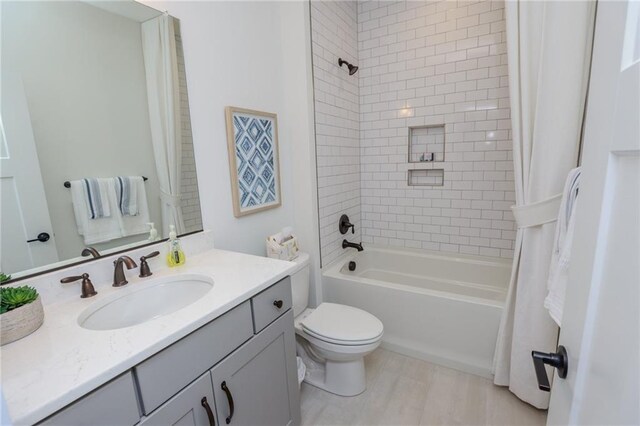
x: 188, y: 407
x: 259, y: 379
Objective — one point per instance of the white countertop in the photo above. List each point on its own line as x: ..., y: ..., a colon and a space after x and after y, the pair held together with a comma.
x: 62, y: 361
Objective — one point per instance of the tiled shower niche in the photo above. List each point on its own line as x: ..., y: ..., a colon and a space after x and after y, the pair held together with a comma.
x: 426, y: 144
x: 425, y: 177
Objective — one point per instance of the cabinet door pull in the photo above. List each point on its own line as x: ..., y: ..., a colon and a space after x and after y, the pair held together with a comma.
x: 277, y: 304
x: 207, y: 408
x: 229, y: 399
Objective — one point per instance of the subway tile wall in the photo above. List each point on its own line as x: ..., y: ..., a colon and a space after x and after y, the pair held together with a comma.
x: 432, y: 63
x: 334, y: 33
x: 422, y: 63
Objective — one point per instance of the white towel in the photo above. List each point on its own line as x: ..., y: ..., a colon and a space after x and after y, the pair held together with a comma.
x: 563, y: 241
x: 135, y: 224
x: 94, y: 230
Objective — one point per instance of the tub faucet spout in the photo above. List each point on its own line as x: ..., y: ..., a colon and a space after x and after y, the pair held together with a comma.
x: 357, y: 246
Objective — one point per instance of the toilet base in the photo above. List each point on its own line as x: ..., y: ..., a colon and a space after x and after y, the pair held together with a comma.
x: 344, y: 378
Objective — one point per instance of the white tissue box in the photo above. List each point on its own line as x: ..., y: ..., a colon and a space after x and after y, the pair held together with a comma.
x: 287, y: 250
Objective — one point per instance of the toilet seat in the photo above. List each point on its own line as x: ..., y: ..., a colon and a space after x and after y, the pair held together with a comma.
x: 342, y: 325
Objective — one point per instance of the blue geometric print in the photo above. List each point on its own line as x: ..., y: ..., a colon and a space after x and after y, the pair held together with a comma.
x: 254, y: 160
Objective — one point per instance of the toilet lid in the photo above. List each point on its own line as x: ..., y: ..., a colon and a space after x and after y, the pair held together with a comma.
x: 340, y: 323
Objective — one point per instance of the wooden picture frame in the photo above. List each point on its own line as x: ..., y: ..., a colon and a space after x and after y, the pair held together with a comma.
x: 254, y: 166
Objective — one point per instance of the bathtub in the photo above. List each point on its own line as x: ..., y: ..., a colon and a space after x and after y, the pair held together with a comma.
x: 441, y: 307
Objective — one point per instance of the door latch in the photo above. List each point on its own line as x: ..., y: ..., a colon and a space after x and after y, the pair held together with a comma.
x: 43, y: 237
x: 558, y: 360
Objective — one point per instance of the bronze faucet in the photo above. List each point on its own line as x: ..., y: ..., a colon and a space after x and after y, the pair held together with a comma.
x: 119, y: 279
x: 346, y: 244
x: 90, y: 251
x: 87, y: 286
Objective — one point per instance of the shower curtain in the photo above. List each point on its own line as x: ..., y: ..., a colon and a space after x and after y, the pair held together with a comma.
x: 163, y: 93
x: 548, y: 51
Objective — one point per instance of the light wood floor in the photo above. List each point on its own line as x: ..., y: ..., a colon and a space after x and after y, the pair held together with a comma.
x: 407, y: 391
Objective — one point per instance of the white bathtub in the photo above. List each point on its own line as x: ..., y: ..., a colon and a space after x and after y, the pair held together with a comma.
x: 441, y: 307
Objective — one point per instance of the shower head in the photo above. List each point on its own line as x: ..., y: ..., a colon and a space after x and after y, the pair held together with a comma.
x: 352, y: 68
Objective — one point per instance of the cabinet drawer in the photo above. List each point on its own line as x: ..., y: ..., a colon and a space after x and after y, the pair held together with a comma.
x: 271, y: 303
x: 164, y: 374
x: 189, y: 407
x: 112, y: 404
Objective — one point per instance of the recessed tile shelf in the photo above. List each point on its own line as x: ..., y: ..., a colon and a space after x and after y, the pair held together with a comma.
x: 426, y: 142
x: 425, y: 177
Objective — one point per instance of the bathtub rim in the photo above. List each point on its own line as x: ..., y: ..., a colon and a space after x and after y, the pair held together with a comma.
x: 333, y: 271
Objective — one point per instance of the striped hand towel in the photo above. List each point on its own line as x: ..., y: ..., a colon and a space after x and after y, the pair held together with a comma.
x: 126, y: 194
x: 95, y: 191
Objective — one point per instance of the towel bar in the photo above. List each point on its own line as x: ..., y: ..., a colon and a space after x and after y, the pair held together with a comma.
x: 67, y: 184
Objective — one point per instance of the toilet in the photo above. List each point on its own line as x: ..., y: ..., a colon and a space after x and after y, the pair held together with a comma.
x: 332, y: 339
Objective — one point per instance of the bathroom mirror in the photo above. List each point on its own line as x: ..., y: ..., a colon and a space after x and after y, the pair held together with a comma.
x: 96, y: 137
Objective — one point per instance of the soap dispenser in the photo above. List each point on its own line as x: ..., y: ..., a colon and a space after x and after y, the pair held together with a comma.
x: 153, y: 232
x: 175, y: 255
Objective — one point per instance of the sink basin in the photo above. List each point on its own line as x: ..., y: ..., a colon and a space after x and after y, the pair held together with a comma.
x: 144, y: 301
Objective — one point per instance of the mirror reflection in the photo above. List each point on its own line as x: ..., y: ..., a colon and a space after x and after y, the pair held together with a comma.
x: 96, y: 147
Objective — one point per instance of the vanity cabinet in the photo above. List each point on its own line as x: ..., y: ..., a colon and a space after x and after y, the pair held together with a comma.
x: 165, y: 373
x: 239, y: 369
x: 254, y: 385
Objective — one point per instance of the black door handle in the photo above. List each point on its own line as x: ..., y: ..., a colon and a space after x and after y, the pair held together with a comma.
x: 558, y: 360
x: 207, y: 408
x: 43, y: 237
x: 277, y: 304
x: 229, y: 399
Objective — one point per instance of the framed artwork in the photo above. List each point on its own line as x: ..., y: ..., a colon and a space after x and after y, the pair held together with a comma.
x: 252, y: 142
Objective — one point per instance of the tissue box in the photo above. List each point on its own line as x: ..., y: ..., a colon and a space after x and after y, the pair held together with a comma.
x: 287, y: 250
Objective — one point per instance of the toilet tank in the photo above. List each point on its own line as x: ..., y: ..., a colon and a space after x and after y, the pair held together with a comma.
x: 300, y: 284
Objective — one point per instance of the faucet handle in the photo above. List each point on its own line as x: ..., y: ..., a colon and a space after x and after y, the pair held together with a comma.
x: 87, y: 286
x: 145, y: 271
x: 344, y: 224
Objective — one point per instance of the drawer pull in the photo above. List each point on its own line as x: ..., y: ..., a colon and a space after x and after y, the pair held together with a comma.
x: 229, y: 399
x: 277, y: 304
x: 207, y: 408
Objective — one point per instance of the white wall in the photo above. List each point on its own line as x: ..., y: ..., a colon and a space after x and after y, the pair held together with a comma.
x: 252, y: 55
x: 87, y: 100
x: 427, y: 63
x: 335, y: 35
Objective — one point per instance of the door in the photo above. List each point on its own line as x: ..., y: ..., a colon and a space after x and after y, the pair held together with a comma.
x: 24, y: 213
x: 257, y: 384
x: 193, y: 406
x: 601, y: 323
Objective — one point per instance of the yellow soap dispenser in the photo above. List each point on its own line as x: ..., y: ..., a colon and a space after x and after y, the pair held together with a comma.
x: 175, y: 256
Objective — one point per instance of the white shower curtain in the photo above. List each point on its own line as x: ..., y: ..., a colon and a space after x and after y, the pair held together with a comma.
x: 549, y: 49
x: 163, y: 93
